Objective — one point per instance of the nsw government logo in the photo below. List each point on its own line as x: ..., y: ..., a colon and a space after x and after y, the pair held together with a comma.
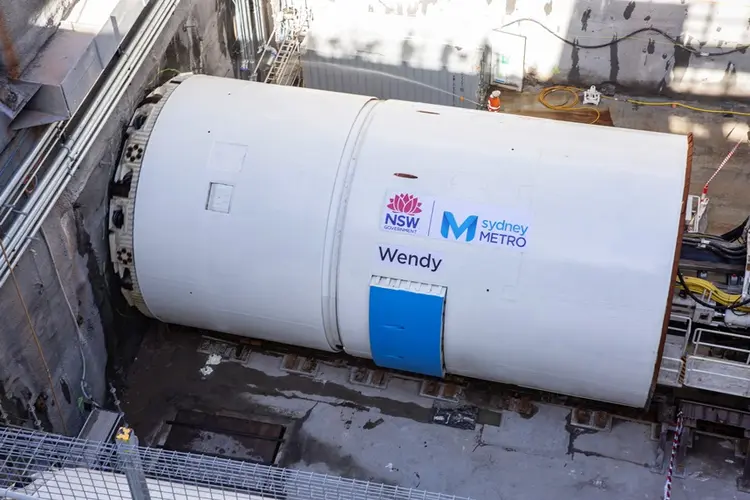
x: 404, y: 213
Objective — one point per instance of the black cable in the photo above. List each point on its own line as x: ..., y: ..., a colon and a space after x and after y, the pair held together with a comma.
x: 738, y: 305
x: 735, y: 233
x: 739, y: 48
x: 704, y: 239
x: 731, y: 255
x: 738, y: 313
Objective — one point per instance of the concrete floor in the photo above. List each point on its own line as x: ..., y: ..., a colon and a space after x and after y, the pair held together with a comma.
x: 387, y: 435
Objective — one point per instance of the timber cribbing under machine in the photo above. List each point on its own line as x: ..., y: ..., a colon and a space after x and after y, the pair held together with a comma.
x: 435, y: 240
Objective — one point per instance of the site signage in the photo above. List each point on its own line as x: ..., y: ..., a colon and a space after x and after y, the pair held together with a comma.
x: 417, y: 259
x: 416, y: 215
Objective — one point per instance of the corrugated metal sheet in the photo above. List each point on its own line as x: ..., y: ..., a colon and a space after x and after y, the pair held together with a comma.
x: 428, y: 60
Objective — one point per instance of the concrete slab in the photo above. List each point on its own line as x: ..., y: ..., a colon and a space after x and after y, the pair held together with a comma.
x: 385, y: 435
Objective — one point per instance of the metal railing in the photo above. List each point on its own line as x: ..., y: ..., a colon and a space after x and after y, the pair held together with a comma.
x: 37, y: 465
x: 719, y: 361
x: 672, y: 367
x: 681, y: 331
x: 721, y: 340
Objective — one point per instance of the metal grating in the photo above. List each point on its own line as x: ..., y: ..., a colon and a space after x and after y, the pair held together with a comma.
x: 47, y: 466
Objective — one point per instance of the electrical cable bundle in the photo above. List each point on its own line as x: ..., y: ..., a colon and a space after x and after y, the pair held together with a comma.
x: 727, y: 251
x: 697, y: 288
x: 730, y: 247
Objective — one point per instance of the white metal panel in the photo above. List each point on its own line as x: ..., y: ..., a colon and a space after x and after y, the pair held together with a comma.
x: 433, y: 60
x: 508, y: 59
x: 580, y: 309
x: 257, y: 270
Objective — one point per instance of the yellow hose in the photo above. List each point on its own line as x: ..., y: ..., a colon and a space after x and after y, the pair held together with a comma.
x: 568, y: 105
x: 687, y: 106
x: 576, y: 90
x: 699, y: 286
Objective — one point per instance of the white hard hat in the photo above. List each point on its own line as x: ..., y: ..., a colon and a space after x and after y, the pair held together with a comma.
x: 495, y: 93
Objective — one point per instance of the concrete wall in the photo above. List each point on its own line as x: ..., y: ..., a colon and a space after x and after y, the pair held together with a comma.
x: 199, y: 37
x: 204, y: 42
x: 648, y: 62
x: 24, y: 27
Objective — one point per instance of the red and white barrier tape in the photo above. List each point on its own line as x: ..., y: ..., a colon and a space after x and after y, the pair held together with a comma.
x: 721, y: 165
x: 673, y: 456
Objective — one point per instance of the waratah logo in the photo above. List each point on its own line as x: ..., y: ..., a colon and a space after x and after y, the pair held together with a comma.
x: 403, y: 214
x: 405, y: 204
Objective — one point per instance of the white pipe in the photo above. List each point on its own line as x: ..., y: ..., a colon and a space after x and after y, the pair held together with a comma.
x: 259, y: 27
x: 45, y: 142
x: 81, y: 140
x: 14, y: 495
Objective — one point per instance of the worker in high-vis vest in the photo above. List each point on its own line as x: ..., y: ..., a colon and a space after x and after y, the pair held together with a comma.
x: 493, y: 103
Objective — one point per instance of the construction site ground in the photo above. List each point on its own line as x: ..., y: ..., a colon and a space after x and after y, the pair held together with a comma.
x: 324, y: 422
x: 390, y: 435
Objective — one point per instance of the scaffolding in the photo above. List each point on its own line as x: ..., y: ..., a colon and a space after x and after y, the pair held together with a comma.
x: 38, y: 465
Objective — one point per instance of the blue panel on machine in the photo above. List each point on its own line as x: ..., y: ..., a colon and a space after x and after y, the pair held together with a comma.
x: 406, y: 325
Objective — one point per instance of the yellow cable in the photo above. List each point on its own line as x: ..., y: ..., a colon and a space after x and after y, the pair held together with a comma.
x: 569, y: 105
x: 672, y: 104
x: 699, y: 286
x: 34, y: 334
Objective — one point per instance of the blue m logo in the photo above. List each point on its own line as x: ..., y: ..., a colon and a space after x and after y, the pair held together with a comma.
x: 449, y: 225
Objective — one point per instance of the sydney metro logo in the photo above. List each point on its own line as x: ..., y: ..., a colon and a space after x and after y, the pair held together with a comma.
x: 468, y: 226
x: 496, y: 231
x: 403, y: 213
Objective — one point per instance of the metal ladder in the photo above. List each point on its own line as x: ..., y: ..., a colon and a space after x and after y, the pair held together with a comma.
x: 289, y: 48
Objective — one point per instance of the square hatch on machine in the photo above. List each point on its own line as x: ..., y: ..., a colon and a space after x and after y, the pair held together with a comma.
x: 406, y: 325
